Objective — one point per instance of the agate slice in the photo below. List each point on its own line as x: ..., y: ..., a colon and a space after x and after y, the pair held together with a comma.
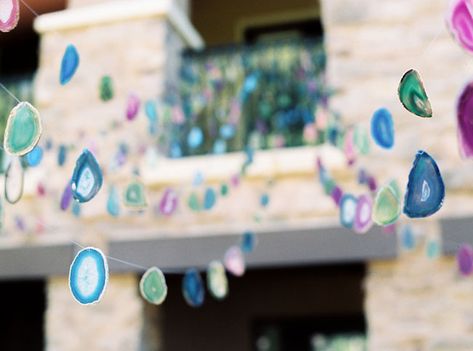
x: 153, y: 286
x: 210, y: 198
x: 113, y: 202
x: 76, y: 209
x: 193, y: 288
x: 382, y: 128
x: 408, y: 240
x: 413, y: 96
x: 193, y: 202
x: 425, y: 188
x: 433, y: 249
x: 134, y: 196
x: 62, y: 155
x: 387, y: 205
x: 106, y: 88
x: 217, y: 281
x: 87, y: 177
x: 195, y: 137
x: 348, y: 205
x: 460, y: 23
x: 224, y: 189
x: 465, y: 259
x: 69, y: 64
x: 34, y: 157
x: 88, y: 276
x: 66, y: 197
x: 14, y: 178
x: 23, y: 129
x: 168, y: 203
x: 234, y: 261
x: 465, y: 121
x: 248, y: 242
x: 363, y: 214
x: 9, y: 14
x: 264, y: 200
x: 132, y: 107
x: 362, y: 141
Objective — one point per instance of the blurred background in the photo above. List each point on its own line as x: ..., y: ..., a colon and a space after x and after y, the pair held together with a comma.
x: 237, y: 101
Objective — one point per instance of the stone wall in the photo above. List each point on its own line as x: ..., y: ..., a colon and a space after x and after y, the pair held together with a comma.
x: 414, y: 303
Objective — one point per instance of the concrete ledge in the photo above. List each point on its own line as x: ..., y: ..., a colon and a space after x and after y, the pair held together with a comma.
x: 456, y: 231
x: 117, y: 11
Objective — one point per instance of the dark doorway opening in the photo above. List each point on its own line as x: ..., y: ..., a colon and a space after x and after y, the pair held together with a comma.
x: 22, y: 317
x: 298, y: 307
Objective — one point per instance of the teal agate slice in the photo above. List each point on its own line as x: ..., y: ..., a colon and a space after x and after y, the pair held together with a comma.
x: 193, y: 288
x: 413, y: 96
x: 153, y: 286
x: 106, y: 88
x: 23, y: 129
x: 88, y: 276
x: 113, y: 202
x: 425, y: 188
x: 87, y: 178
x: 134, y: 196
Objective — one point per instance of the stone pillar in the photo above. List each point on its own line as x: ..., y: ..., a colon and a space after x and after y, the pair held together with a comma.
x: 137, y: 43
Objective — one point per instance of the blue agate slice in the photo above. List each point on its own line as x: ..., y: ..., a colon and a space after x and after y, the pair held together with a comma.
x: 88, y: 276
x: 248, y: 241
x: 87, y: 177
x: 210, y: 197
x: 61, y: 155
x: 264, y: 200
x: 34, y: 157
x: 408, y: 240
x: 382, y: 128
x: 348, y: 205
x: 69, y: 64
x: 425, y: 188
x: 193, y: 288
x: 195, y: 137
x: 113, y: 202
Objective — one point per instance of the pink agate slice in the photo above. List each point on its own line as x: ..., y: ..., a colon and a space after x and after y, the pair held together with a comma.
x: 363, y: 214
x: 460, y: 23
x: 465, y: 121
x: 9, y: 14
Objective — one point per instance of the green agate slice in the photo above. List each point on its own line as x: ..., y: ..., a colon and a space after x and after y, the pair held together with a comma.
x: 387, y: 205
x: 106, y: 88
x: 413, y: 96
x: 23, y: 129
x: 153, y: 286
x: 217, y: 281
x: 134, y: 196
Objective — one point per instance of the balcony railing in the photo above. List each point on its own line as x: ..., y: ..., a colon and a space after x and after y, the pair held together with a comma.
x: 265, y: 96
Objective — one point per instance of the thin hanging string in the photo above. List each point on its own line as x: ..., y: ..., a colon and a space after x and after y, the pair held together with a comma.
x: 29, y: 8
x: 9, y: 92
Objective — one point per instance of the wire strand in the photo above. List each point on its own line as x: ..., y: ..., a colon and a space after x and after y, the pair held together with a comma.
x: 29, y: 8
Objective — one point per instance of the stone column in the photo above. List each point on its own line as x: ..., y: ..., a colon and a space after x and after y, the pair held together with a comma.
x: 137, y: 43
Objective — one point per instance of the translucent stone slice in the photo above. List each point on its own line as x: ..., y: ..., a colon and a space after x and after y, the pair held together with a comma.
x: 14, y: 179
x: 408, y: 240
x: 198, y: 179
x: 69, y: 64
x: 76, y: 210
x: 87, y: 178
x: 88, y: 276
x: 413, y: 96
x: 35, y: 156
x: 465, y: 121
x: 336, y: 195
x: 106, y: 88
x: 264, y: 200
x: 66, y: 197
x: 348, y: 205
x: 134, y: 196
x: 234, y: 261
x: 382, y: 128
x: 169, y: 202
x: 363, y: 214
x: 224, y: 189
x: 132, y: 107
x: 152, y: 115
x: 193, y: 288
x: 113, y: 202
x: 460, y: 23
x: 195, y: 137
x: 23, y: 129
x: 433, y: 249
x: 425, y: 188
x: 227, y: 131
x: 217, y: 281
x: 193, y: 202
x: 9, y: 14
x: 465, y: 259
x: 387, y: 205
x: 62, y: 155
x: 210, y: 198
x: 153, y: 286
x: 219, y: 147
x: 362, y: 141
x: 248, y: 241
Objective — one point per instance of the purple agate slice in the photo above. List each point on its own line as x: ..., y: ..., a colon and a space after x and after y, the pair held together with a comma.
x: 460, y: 23
x: 465, y: 121
x: 132, y: 107
x: 465, y: 259
x: 66, y: 197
